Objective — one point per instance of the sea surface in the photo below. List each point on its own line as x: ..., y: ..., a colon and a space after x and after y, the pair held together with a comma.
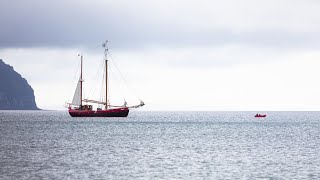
x: 160, y: 145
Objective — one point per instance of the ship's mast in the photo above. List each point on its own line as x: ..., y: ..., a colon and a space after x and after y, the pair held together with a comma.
x: 106, y: 84
x: 81, y: 83
x: 106, y: 59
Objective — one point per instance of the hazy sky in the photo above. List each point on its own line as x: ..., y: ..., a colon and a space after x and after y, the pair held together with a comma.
x: 174, y: 54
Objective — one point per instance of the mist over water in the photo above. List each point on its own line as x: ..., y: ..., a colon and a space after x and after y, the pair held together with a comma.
x: 153, y: 145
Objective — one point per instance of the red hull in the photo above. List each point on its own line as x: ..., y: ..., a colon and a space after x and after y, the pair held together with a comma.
x: 260, y: 116
x: 119, y: 112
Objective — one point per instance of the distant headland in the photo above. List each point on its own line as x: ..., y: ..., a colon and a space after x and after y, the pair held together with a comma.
x: 15, y: 92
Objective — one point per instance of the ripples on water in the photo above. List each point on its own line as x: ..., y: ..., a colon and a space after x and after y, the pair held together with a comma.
x: 160, y: 145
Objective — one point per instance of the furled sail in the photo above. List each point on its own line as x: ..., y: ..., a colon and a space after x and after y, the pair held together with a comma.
x: 77, y: 94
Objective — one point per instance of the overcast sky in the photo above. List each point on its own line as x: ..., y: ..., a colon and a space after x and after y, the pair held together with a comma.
x: 174, y: 54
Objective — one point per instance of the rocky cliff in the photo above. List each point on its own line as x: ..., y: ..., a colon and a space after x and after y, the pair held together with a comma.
x: 15, y: 92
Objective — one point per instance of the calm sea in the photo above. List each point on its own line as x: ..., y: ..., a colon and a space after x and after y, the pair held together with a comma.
x: 160, y: 145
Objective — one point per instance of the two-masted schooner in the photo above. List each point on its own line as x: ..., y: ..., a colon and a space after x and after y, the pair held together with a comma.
x: 78, y: 109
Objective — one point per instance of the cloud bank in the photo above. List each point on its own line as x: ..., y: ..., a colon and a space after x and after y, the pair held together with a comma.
x: 143, y: 23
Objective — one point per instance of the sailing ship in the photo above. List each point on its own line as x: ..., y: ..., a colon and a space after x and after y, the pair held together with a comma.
x: 78, y: 109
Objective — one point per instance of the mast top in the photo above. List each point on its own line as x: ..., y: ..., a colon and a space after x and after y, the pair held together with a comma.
x: 105, y: 49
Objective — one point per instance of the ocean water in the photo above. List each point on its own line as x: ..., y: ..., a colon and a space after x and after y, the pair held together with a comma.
x: 160, y: 145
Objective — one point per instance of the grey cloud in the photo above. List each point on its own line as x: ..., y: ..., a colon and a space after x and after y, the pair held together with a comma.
x: 73, y: 23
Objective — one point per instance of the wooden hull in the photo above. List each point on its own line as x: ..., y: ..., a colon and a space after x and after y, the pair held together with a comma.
x: 119, y: 112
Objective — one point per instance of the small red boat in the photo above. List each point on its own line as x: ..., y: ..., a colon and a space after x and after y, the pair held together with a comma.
x: 260, y: 115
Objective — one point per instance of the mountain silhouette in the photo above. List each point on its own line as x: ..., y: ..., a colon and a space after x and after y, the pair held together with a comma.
x: 15, y: 92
